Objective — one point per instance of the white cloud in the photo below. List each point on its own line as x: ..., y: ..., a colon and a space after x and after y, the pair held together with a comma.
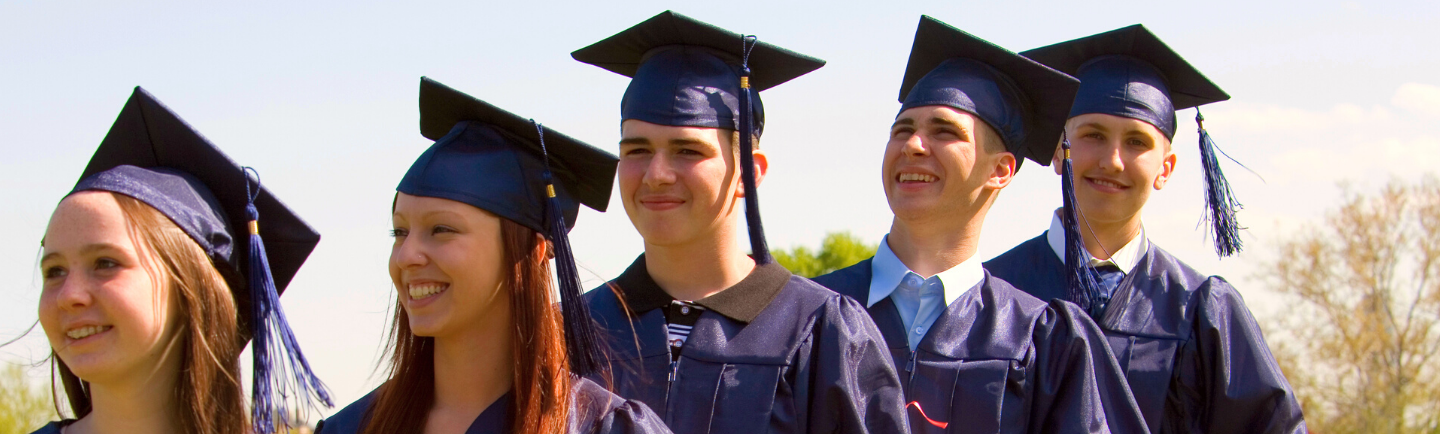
x: 1419, y: 98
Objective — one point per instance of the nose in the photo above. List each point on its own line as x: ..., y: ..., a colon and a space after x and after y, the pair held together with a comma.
x: 1110, y: 159
x: 409, y: 253
x: 74, y: 293
x: 915, y: 146
x: 659, y: 172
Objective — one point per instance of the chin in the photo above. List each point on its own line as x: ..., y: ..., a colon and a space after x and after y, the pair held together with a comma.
x: 426, y: 327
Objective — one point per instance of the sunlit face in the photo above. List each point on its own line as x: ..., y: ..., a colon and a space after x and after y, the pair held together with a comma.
x: 1118, y: 162
x: 935, y: 163
x: 679, y: 183
x: 106, y: 309
x: 447, y: 264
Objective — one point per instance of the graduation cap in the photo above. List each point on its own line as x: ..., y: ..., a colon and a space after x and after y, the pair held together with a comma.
x: 1022, y: 100
x: 689, y: 73
x: 1128, y: 72
x: 517, y: 169
x: 151, y: 155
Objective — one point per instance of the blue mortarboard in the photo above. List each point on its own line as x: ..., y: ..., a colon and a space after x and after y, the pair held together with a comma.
x: 689, y: 73
x: 492, y: 159
x: 1022, y: 100
x: 150, y: 154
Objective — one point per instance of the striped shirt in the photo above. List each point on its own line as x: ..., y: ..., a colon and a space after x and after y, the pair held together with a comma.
x: 680, y: 318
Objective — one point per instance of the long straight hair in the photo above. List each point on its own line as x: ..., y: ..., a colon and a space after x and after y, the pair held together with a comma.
x: 542, y: 379
x: 211, y: 398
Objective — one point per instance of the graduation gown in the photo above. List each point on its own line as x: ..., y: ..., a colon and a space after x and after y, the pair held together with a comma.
x: 593, y: 411
x: 1192, y: 352
x: 776, y: 353
x: 1000, y: 361
x: 53, y: 427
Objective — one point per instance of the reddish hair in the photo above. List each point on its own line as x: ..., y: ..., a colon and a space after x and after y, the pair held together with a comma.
x: 542, y: 378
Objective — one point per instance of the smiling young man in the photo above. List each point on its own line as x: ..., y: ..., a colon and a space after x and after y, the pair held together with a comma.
x: 976, y: 355
x: 1192, y: 352
x: 711, y: 339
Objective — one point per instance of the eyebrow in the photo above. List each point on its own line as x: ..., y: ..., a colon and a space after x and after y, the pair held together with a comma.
x: 634, y: 141
x: 1095, y: 125
x: 89, y: 248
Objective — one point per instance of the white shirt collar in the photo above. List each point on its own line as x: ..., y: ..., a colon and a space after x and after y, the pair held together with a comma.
x: 886, y: 271
x: 1126, y: 258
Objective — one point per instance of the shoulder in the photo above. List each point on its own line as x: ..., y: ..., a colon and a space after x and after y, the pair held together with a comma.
x: 852, y: 281
x: 597, y: 410
x: 1022, y: 254
x: 348, y: 420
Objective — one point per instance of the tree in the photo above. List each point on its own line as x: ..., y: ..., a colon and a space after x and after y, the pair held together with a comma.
x: 838, y: 250
x: 23, y: 407
x: 1365, y: 325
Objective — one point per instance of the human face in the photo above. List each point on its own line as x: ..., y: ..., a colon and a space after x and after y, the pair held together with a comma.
x: 106, y: 309
x: 447, y: 264
x: 1118, y: 162
x: 679, y: 184
x: 935, y: 164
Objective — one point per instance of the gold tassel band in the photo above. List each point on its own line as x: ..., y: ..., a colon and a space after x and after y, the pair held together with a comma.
x: 1067, y: 154
x: 550, y: 189
x: 254, y: 227
x: 745, y: 82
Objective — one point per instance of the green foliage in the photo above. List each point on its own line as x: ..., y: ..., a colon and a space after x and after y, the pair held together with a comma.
x: 839, y: 250
x: 23, y: 406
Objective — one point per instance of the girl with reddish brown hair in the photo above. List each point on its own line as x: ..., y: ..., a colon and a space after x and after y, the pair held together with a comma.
x: 478, y: 343
x: 153, y: 286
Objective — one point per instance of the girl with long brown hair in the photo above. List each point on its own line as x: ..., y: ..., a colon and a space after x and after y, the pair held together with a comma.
x: 156, y: 276
x: 478, y: 344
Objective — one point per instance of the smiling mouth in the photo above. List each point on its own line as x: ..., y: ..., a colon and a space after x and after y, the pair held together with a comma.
x: 915, y: 177
x: 426, y: 290
x: 1106, y: 183
x: 87, y: 331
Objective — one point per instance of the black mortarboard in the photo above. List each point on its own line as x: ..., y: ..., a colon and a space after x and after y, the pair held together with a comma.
x: 497, y: 161
x: 150, y: 154
x: 688, y: 73
x: 1022, y: 100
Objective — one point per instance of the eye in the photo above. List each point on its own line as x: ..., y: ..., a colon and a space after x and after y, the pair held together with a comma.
x: 688, y: 151
x: 1094, y: 136
x: 1138, y: 143
x: 440, y: 229
x: 399, y: 232
x: 55, y: 272
x: 900, y: 132
x: 105, y: 263
x: 636, y: 152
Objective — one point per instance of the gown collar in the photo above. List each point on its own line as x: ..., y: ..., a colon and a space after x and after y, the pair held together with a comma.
x: 741, y: 302
x: 1124, y: 258
x: 886, y: 272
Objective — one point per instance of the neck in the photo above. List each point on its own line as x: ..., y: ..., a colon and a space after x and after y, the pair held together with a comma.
x: 474, y: 368
x: 1102, y: 239
x: 931, y: 246
x: 696, y: 270
x: 142, y: 402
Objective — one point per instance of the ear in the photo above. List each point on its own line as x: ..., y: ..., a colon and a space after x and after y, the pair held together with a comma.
x: 762, y: 165
x: 1003, y: 170
x: 1167, y: 168
x: 1057, y: 161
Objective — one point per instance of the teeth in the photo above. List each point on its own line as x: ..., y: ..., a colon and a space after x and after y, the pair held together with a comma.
x: 917, y: 177
x: 1105, y: 183
x: 85, y: 332
x: 426, y: 290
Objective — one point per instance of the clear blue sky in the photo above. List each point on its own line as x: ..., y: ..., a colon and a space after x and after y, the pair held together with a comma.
x: 321, y: 98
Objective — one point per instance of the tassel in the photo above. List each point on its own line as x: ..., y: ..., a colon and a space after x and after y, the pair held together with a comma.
x: 1220, y: 202
x: 582, y: 339
x: 759, y: 249
x: 281, y: 372
x: 1081, y: 287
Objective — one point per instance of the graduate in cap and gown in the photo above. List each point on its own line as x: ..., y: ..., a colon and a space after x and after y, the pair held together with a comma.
x: 1192, y: 352
x: 159, y: 266
x: 713, y: 340
x: 478, y: 343
x: 976, y: 355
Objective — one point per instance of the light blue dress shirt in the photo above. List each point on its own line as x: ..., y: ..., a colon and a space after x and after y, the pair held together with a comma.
x: 920, y: 299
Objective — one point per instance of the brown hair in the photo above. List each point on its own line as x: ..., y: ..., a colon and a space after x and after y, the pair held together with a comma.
x: 209, y: 392
x: 542, y: 379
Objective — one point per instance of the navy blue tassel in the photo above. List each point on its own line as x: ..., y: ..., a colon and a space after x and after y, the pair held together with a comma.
x: 1220, y: 202
x: 759, y: 249
x: 582, y: 339
x: 281, y: 373
x: 1081, y: 287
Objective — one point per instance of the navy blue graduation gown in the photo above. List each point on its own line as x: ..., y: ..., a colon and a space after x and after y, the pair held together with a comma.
x: 593, y: 411
x: 776, y: 353
x: 1192, y: 352
x: 1001, y: 361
